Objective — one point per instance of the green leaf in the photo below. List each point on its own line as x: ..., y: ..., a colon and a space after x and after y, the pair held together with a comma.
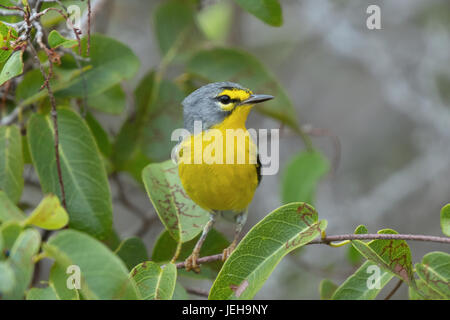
x: 165, y: 248
x: 300, y: 178
x: 51, y: 18
x: 172, y: 19
x: 268, y: 11
x: 55, y: 39
x: 100, y: 135
x: 180, y: 215
x: 136, y: 164
x: 29, y: 90
x: 110, y: 63
x: 88, y: 197
x: 30, y: 85
x: 434, y: 270
x: 361, y: 229
x: 7, y: 277
x: 47, y: 293
x: 215, y: 20
x: 144, y: 96
x: 445, y: 219
x: 180, y: 293
x: 154, y: 282
x: 49, y: 214
x: 327, y: 288
x: 7, y: 35
x: 112, y: 240
x: 423, y: 292
x: 20, y: 261
x: 392, y: 255
x: 224, y: 64
x: 12, y: 68
x: 132, y: 251
x: 354, y: 257
x: 103, y: 274
x: 11, y: 162
x: 25, y: 150
x: 251, y: 263
x: 9, y: 232
x: 125, y: 144
x: 363, y: 284
x: 8, y: 210
x: 112, y: 100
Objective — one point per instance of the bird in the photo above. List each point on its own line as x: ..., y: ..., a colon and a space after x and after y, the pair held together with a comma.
x: 218, y: 162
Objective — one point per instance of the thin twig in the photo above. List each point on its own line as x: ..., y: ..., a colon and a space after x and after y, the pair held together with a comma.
x: 14, y: 8
x: 394, y: 290
x: 329, y: 239
x: 377, y: 236
x: 76, y: 31
x: 93, y: 9
x: 89, y: 28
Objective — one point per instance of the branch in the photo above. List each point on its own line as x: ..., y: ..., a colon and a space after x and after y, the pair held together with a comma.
x: 93, y: 9
x: 13, y: 8
x: 89, y: 14
x: 377, y: 236
x: 329, y: 239
x: 76, y: 31
x: 202, y: 260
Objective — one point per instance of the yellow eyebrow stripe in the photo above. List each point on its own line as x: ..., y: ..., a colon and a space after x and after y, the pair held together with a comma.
x: 238, y: 94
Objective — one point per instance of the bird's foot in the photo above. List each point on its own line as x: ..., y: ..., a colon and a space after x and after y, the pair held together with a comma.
x: 227, y: 251
x: 191, y: 263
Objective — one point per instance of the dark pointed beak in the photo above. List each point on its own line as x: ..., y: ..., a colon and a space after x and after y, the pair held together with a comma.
x: 257, y: 98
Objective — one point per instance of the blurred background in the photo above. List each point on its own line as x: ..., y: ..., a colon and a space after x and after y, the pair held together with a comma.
x: 385, y: 94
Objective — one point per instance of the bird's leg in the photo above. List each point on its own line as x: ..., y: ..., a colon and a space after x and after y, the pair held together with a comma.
x: 191, y: 261
x: 240, y: 221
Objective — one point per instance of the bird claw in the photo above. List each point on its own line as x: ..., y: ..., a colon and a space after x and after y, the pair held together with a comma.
x: 191, y: 263
x: 227, y: 252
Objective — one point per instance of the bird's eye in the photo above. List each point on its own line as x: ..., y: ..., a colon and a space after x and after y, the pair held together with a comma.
x: 224, y: 99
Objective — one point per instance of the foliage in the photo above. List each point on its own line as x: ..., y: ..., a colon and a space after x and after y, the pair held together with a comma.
x: 57, y: 88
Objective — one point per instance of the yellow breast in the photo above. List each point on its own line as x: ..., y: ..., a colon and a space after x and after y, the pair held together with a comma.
x: 218, y: 166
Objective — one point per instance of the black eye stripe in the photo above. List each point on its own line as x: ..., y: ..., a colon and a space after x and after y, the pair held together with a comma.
x: 225, y: 99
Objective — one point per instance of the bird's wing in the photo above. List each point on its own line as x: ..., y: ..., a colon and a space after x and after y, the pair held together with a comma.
x: 258, y: 169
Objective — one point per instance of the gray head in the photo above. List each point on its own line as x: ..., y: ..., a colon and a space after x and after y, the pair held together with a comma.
x: 212, y: 103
